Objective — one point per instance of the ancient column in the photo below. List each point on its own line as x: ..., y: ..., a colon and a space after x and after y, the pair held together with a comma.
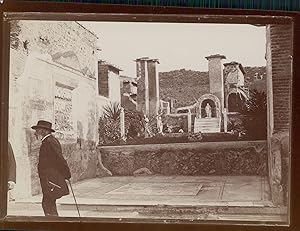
x: 147, y: 86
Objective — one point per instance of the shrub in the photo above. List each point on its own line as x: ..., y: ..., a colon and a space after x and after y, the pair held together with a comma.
x: 174, y: 124
x: 134, y: 125
x: 109, y: 131
x: 195, y: 136
x: 255, y: 115
x: 109, y: 124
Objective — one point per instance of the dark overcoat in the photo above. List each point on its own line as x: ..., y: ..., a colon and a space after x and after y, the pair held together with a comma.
x: 53, y: 169
x: 11, y: 164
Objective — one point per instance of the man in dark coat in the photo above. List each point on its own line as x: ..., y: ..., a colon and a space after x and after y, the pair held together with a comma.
x: 53, y: 169
x: 11, y: 171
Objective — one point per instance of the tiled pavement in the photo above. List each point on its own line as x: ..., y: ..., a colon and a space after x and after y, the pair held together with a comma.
x: 143, y: 196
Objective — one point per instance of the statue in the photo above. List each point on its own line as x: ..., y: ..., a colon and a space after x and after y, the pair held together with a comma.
x: 208, y: 110
x: 160, y: 124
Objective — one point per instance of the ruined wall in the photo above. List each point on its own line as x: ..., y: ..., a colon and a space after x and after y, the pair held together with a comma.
x: 52, y: 77
x: 52, y: 37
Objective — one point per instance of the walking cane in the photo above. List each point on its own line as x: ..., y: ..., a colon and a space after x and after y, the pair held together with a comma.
x: 74, y: 198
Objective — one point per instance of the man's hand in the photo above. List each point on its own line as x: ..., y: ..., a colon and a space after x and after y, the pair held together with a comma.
x: 11, y: 185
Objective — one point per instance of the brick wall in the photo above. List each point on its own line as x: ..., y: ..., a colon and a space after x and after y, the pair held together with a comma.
x: 281, y: 49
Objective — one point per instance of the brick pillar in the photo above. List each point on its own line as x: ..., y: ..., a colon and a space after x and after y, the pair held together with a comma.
x: 281, y: 51
x: 279, y: 77
x: 147, y: 86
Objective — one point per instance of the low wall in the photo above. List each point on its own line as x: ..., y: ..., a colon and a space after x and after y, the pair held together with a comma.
x: 199, y: 158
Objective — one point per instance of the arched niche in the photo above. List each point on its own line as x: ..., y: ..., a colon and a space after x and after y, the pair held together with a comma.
x: 213, y: 101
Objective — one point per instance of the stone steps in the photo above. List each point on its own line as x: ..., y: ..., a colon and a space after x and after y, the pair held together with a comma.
x: 207, y: 125
x: 212, y: 212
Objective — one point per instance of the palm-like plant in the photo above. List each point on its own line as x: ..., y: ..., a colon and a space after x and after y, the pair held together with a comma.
x: 109, y: 123
x: 112, y: 111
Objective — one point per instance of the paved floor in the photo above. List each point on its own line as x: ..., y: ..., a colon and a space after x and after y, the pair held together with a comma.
x: 124, y: 196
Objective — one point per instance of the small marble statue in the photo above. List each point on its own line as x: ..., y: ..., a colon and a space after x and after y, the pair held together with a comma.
x: 208, y: 110
x: 160, y: 125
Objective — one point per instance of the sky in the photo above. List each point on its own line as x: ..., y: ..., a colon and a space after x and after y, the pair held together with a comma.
x: 178, y: 45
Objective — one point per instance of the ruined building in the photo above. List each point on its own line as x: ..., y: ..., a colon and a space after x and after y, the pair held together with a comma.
x: 55, y: 74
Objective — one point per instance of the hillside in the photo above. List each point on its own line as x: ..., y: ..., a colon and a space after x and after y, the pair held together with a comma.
x: 186, y: 85
x: 183, y: 85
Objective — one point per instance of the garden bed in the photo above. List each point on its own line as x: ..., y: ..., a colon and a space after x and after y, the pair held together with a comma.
x: 179, y: 138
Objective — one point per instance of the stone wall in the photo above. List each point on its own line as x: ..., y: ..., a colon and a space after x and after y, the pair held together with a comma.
x: 213, y: 158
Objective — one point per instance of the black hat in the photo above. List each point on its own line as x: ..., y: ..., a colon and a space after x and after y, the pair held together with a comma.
x: 43, y: 124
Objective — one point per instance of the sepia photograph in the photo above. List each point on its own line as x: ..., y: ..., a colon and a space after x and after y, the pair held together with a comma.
x: 150, y: 121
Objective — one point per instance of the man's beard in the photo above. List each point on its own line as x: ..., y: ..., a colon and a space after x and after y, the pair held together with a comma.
x: 38, y: 136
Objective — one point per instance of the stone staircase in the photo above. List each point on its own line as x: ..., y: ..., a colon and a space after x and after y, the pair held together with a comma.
x: 207, y: 125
